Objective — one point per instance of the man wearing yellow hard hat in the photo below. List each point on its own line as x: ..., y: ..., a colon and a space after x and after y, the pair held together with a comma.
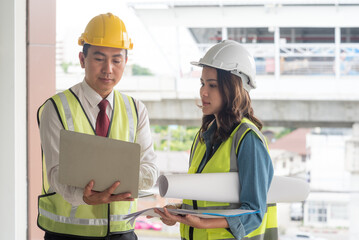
x: 93, y: 107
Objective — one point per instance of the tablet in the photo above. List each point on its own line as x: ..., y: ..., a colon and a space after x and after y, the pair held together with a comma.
x: 85, y: 157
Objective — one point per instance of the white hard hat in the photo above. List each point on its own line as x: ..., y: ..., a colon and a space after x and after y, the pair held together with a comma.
x: 231, y: 56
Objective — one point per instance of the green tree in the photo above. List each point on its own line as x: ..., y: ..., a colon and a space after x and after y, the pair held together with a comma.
x: 137, y: 70
x: 284, y: 132
x: 65, y: 66
x: 174, y: 138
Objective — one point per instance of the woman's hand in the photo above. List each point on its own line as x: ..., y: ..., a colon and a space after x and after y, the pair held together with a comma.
x: 190, y: 220
x: 167, y: 218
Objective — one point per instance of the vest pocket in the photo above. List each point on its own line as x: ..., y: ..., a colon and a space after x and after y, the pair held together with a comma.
x: 219, y: 233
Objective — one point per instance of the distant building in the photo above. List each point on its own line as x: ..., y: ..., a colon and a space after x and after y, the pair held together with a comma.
x: 324, y: 42
x: 290, y: 158
x: 290, y: 154
x: 317, y: 155
x: 328, y: 202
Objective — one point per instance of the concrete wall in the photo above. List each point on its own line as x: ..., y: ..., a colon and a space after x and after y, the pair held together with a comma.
x: 273, y: 112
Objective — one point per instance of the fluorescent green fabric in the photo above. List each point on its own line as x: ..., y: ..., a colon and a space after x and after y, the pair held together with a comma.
x: 225, y: 160
x: 55, y: 213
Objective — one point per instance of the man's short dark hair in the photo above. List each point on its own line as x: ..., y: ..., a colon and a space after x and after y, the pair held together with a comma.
x: 86, y: 47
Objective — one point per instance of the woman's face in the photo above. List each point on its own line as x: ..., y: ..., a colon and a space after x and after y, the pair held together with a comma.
x: 209, y: 92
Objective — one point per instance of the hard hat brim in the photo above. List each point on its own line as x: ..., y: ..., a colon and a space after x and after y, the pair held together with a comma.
x: 246, y: 85
x: 200, y: 64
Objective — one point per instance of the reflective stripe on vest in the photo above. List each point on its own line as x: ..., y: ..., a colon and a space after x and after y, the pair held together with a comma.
x: 130, y: 118
x: 227, y: 150
x: 56, y: 214
x: 68, y: 115
x: 268, y: 229
x: 80, y: 221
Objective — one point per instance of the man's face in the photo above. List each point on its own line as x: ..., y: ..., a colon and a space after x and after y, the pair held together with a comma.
x: 104, y: 67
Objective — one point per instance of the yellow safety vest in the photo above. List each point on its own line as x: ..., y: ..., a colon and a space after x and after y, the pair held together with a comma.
x: 225, y: 160
x: 57, y: 215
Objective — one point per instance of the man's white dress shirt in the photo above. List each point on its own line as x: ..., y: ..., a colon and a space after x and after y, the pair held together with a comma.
x: 50, y: 126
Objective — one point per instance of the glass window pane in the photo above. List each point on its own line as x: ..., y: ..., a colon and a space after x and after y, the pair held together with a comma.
x: 308, y: 35
x: 349, y: 35
x: 206, y: 35
x: 251, y: 35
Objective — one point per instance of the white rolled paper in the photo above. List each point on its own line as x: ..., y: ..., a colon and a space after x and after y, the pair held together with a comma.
x: 287, y: 189
x: 216, y: 187
x: 224, y: 187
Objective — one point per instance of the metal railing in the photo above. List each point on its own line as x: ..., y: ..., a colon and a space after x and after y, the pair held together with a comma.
x: 303, y: 59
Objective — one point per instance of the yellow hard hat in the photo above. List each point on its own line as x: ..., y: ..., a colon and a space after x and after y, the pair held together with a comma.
x: 106, y: 30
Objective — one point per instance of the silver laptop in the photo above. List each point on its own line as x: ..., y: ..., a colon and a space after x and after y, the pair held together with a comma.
x: 85, y: 157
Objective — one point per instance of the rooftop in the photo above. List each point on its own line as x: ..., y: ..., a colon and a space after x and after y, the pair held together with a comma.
x: 293, y: 142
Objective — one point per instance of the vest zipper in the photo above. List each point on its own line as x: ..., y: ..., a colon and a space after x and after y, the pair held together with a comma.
x: 108, y: 221
x: 191, y: 229
x: 191, y: 233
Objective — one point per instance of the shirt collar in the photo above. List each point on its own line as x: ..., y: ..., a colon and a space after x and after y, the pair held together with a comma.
x: 93, y: 97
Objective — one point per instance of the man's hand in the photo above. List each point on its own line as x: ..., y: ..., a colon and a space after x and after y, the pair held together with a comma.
x: 93, y: 197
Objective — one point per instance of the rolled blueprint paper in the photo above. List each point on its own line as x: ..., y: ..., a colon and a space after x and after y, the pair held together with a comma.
x: 287, y: 189
x: 224, y: 187
x: 215, y: 187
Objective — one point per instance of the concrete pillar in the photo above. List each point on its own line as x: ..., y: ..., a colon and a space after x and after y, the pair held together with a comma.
x: 337, y: 52
x: 224, y: 33
x: 41, y: 85
x: 13, y: 200
x: 354, y: 208
x: 277, y: 53
x: 352, y: 165
x: 178, y: 57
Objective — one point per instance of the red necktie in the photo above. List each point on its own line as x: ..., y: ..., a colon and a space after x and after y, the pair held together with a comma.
x: 102, y: 121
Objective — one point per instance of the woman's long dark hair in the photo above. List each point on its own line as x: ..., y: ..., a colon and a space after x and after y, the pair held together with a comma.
x: 236, y: 105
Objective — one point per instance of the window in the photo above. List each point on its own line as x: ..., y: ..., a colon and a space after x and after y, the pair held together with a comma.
x: 206, y: 35
x: 317, y: 212
x: 349, y: 35
x: 307, y: 35
x: 301, y: 54
x: 251, y: 35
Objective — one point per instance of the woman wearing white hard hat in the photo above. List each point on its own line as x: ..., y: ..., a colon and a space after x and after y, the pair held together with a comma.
x: 230, y: 140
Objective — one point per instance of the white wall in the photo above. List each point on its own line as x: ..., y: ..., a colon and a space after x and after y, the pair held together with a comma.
x: 329, y: 151
x: 13, y: 201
